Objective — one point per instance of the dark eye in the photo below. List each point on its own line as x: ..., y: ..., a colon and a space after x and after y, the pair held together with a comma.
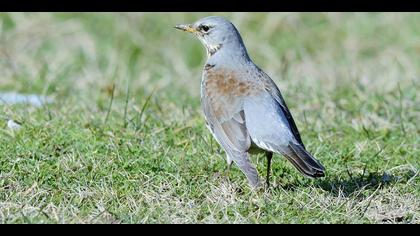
x: 204, y: 28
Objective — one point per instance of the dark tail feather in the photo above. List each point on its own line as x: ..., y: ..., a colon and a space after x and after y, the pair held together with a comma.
x: 304, y: 161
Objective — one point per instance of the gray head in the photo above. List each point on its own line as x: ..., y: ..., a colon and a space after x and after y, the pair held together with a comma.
x: 216, y: 34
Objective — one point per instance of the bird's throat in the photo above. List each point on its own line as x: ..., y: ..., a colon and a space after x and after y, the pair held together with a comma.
x: 212, y: 49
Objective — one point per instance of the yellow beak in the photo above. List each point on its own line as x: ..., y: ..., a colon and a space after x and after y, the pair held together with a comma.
x: 187, y: 28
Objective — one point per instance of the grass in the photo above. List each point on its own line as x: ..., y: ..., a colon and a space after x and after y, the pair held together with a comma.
x: 125, y: 140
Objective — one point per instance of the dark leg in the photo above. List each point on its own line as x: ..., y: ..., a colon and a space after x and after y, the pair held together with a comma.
x: 229, y: 166
x: 269, y: 156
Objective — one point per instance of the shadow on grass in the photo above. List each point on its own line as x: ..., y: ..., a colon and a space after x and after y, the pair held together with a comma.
x: 353, y: 184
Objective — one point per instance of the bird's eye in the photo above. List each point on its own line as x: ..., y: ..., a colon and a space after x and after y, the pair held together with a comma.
x: 204, y: 28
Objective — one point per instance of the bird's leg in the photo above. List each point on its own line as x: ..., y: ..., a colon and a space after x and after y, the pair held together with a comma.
x: 269, y: 156
x: 229, y: 165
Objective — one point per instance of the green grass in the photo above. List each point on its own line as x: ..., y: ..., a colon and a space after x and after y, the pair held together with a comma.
x: 140, y: 153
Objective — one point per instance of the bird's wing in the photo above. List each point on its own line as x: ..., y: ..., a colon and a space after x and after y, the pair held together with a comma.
x: 272, y: 127
x: 225, y: 118
x: 274, y: 91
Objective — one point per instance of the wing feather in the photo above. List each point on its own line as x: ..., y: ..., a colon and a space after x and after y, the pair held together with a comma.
x: 274, y: 91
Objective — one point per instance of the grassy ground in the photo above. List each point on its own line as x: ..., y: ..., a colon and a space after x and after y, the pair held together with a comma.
x: 125, y: 140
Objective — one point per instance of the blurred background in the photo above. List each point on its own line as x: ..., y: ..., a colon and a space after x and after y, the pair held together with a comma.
x: 72, y: 53
x: 307, y: 54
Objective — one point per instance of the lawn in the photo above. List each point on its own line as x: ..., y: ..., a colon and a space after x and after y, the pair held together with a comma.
x: 124, y: 140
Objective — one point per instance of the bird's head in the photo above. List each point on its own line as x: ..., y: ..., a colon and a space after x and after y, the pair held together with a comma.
x: 215, y: 33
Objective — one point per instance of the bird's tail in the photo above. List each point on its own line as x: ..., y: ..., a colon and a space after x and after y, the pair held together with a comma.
x: 304, y: 161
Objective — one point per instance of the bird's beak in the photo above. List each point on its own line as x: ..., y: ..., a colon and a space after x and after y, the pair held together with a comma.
x: 187, y: 28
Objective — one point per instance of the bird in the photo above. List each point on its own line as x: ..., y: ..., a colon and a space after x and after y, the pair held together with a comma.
x: 243, y: 107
